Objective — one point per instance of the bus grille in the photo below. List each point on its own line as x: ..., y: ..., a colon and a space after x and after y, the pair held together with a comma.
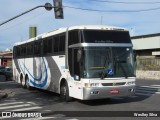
x: 113, y: 84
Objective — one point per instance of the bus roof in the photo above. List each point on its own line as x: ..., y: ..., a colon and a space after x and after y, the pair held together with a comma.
x: 80, y: 27
x: 97, y: 27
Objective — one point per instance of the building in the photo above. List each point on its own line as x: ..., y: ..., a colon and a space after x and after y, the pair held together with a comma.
x: 6, y: 58
x: 147, y: 53
x: 147, y: 45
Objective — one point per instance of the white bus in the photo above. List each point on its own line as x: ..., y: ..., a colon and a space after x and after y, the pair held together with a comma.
x: 83, y: 62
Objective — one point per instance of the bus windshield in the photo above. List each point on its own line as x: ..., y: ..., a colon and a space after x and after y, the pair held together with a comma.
x: 107, y: 62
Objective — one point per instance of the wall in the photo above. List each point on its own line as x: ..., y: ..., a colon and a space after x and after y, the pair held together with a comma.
x: 147, y: 48
x: 148, y: 75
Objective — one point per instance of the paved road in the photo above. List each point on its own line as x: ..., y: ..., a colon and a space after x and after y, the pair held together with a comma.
x: 48, y: 104
x: 2, y: 78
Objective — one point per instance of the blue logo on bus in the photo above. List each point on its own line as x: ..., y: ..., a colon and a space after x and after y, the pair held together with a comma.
x: 43, y: 81
x: 110, y: 72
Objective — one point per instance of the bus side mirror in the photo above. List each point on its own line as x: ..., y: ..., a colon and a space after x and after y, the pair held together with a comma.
x: 79, y: 55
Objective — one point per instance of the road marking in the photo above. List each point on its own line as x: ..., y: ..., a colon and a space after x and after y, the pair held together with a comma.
x: 19, y: 106
x: 72, y: 119
x: 155, y: 85
x: 15, y: 106
x: 157, y: 92
x: 24, y: 109
x: 32, y: 103
x: 47, y: 110
x: 10, y: 100
x: 40, y: 118
x: 148, y: 90
x: 149, y: 87
x: 10, y: 103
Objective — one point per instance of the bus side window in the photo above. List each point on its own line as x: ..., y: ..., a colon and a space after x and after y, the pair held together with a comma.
x: 56, y: 44
x: 29, y: 50
x: 37, y: 48
x: 49, y: 45
x: 17, y: 51
x: 62, y: 43
x: 44, y: 46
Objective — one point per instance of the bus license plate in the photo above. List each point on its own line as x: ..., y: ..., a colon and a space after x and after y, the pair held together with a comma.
x: 114, y: 91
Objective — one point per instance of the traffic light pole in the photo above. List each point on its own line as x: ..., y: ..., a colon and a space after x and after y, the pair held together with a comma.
x: 57, y: 8
x: 47, y: 6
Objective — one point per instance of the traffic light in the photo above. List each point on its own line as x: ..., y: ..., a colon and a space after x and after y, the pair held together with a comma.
x: 58, y: 9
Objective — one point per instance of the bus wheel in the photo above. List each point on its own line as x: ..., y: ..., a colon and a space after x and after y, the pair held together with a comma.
x: 27, y: 83
x: 64, y: 92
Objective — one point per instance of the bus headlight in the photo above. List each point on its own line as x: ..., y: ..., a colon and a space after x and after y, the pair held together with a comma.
x: 94, y: 84
x: 91, y: 84
x: 131, y: 83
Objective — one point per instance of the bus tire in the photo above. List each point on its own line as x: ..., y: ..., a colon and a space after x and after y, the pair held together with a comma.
x: 23, y: 83
x: 64, y: 92
x: 27, y: 83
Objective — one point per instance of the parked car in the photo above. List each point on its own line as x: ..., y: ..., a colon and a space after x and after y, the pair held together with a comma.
x: 2, y: 69
x: 7, y: 72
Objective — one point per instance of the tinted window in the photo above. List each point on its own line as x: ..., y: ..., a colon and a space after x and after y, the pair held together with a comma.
x: 18, y: 51
x: 105, y: 36
x: 37, y: 48
x: 73, y: 37
x: 23, y: 50
x: 45, y: 46
x: 29, y: 49
x: 49, y: 45
x: 62, y: 43
x: 42, y: 47
x: 56, y: 44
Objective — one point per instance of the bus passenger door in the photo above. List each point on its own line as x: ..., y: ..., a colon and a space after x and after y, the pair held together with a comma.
x: 74, y: 66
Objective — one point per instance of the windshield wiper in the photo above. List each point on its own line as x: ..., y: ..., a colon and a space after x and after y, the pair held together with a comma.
x: 103, y: 74
x: 123, y: 70
x: 104, y: 68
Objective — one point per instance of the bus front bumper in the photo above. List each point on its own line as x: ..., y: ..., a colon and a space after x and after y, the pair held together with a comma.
x: 108, y: 92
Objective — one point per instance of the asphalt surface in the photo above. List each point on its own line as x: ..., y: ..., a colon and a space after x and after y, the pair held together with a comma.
x: 49, y: 104
x: 3, y: 93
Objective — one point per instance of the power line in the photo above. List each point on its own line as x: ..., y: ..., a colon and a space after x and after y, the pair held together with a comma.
x: 22, y: 22
x: 96, y: 10
x: 122, y: 2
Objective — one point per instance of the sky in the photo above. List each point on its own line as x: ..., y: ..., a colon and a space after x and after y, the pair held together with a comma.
x: 141, y: 17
